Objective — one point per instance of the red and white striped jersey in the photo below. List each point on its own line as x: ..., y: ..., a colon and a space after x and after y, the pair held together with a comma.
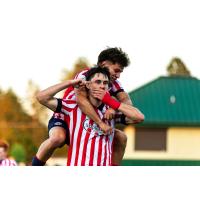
x: 7, y: 162
x: 70, y: 94
x: 88, y: 145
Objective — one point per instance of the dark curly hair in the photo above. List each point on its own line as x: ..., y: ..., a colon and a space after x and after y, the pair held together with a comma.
x: 95, y: 70
x: 114, y: 55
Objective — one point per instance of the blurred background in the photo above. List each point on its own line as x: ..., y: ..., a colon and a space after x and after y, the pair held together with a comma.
x: 45, y: 42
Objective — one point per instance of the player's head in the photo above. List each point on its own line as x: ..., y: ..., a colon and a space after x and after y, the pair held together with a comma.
x: 98, y: 78
x: 3, y: 149
x: 115, y: 60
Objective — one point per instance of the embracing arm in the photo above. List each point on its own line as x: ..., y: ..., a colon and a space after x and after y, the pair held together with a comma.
x: 128, y: 110
x: 131, y: 112
x: 123, y: 97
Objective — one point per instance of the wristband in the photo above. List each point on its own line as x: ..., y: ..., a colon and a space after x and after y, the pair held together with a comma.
x: 108, y: 100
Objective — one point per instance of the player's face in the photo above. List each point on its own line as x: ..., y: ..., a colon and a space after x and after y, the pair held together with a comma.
x: 3, y: 153
x: 114, y: 69
x: 99, y: 81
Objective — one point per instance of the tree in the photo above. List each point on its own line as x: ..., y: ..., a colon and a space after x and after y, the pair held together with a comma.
x: 177, y: 67
x: 33, y: 107
x: 80, y: 64
x: 16, y: 126
x: 18, y: 151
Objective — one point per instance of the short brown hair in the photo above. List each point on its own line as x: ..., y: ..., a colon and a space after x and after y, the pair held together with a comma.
x: 4, y: 144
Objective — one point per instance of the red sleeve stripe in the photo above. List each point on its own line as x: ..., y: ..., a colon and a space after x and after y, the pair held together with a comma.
x: 68, y: 106
x: 67, y: 91
x: 71, y: 95
x: 69, y: 101
x: 66, y: 110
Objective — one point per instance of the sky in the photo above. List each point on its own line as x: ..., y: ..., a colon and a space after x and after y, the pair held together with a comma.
x: 38, y: 39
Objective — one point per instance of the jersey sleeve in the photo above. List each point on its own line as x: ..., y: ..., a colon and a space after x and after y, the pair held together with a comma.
x: 81, y: 75
x: 65, y: 106
x: 116, y: 87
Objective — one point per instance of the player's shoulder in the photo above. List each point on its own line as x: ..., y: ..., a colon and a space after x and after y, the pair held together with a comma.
x: 116, y: 82
x: 81, y: 73
x: 116, y: 85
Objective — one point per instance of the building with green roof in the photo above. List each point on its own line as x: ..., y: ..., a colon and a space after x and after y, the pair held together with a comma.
x: 170, y: 134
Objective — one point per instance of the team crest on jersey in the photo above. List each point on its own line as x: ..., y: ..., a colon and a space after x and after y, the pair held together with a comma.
x: 93, y: 127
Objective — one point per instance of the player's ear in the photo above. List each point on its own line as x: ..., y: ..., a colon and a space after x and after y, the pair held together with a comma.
x: 87, y: 84
x: 102, y: 63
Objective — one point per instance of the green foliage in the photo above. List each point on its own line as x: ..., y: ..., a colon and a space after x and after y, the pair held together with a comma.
x: 18, y: 152
x: 36, y: 110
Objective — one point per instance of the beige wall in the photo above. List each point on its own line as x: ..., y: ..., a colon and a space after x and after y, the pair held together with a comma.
x: 182, y: 143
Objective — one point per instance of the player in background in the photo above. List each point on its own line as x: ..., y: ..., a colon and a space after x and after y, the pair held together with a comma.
x: 4, y: 160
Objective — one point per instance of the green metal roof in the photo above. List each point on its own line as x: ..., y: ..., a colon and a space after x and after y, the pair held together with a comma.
x: 169, y: 101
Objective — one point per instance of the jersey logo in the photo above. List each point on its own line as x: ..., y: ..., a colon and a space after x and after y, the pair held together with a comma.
x: 92, y: 127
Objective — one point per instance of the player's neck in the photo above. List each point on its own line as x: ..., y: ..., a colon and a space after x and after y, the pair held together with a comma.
x: 95, y: 102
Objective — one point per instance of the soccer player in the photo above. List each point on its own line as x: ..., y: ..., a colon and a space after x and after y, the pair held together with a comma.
x: 4, y: 160
x: 89, y: 145
x: 115, y: 60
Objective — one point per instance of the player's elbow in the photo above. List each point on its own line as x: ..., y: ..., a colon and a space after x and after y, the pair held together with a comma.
x: 41, y: 98
x: 139, y: 117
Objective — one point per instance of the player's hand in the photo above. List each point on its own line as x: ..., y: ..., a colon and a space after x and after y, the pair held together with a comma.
x: 98, y: 93
x: 109, y: 114
x: 105, y: 128
x: 77, y: 83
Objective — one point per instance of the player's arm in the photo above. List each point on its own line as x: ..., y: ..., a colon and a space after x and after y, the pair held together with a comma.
x: 123, y: 97
x: 118, y: 92
x: 46, y: 97
x: 87, y: 108
x: 129, y: 111
x: 120, y: 118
